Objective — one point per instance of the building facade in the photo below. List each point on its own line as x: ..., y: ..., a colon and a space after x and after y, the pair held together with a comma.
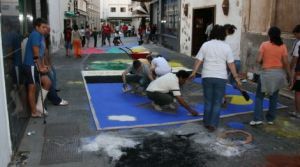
x: 140, y: 13
x: 93, y: 10
x: 116, y: 11
x: 166, y: 15
x: 258, y: 17
x: 69, y: 12
x: 196, y: 15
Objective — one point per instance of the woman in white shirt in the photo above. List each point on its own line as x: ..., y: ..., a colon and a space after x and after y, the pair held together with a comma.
x: 215, y: 55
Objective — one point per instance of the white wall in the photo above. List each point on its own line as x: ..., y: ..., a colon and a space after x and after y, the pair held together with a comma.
x: 5, y: 142
x: 105, y: 6
x: 56, y: 22
x: 234, y: 17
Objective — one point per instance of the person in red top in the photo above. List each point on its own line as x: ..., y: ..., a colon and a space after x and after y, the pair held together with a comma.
x: 273, y: 57
x: 141, y: 31
x: 106, y: 31
x: 125, y: 29
x: 68, y: 35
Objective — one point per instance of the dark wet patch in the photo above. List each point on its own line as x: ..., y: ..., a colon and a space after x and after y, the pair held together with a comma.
x: 158, y: 151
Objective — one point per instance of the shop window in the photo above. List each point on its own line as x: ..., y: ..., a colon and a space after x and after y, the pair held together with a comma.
x: 113, y: 9
x: 170, y: 17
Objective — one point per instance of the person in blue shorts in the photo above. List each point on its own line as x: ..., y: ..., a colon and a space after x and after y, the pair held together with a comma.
x: 33, y: 63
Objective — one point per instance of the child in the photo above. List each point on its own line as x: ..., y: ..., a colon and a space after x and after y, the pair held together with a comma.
x: 117, y: 39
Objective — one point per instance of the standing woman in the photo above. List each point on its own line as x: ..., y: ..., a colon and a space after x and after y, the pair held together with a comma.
x: 273, y: 57
x: 76, y: 41
x: 215, y: 56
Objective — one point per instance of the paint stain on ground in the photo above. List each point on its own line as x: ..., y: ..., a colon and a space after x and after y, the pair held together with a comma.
x: 75, y: 82
x: 114, y: 50
x: 284, y: 127
x: 108, y: 66
x: 177, y: 151
x: 110, y: 144
x: 283, y: 160
x: 175, y: 64
x: 122, y: 118
x: 239, y: 100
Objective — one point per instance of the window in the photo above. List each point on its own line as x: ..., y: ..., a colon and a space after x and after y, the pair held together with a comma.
x: 169, y: 17
x: 123, y: 9
x: 113, y: 9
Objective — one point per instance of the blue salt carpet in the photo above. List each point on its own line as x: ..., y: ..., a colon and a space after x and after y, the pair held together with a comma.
x: 107, y: 101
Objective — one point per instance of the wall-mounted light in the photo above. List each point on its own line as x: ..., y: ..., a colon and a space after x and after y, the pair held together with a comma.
x: 21, y: 17
x: 29, y: 17
x: 225, y: 7
x: 163, y: 21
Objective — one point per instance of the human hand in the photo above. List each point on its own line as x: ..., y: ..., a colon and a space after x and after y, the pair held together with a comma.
x: 192, y: 76
x: 291, y: 84
x: 125, y: 87
x: 238, y: 82
x: 193, y: 112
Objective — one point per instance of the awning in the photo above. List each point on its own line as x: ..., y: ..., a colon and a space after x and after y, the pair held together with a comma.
x: 70, y: 14
x: 140, y: 9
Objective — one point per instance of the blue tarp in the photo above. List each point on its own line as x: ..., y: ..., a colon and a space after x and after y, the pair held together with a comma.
x: 107, y: 99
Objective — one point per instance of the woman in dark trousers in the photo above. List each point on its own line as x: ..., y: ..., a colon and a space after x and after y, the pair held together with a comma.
x: 273, y: 57
x: 95, y: 35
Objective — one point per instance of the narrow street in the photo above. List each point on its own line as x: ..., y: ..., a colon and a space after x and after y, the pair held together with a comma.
x: 70, y: 138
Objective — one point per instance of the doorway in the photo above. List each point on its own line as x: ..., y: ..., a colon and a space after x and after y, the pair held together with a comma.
x: 201, y: 19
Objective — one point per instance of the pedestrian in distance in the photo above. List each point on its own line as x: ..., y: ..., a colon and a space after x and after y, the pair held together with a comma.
x: 95, y: 35
x: 76, y: 41
x: 68, y: 39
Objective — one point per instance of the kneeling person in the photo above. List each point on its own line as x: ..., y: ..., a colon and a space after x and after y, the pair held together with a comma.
x: 142, y: 75
x: 163, y: 90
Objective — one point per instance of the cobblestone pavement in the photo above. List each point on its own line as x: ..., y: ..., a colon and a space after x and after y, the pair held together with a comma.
x: 60, y: 143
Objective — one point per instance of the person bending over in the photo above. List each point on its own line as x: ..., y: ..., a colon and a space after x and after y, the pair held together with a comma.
x: 164, y: 89
x: 141, y: 76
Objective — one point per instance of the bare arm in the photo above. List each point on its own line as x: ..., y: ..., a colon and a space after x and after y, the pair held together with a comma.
x: 37, y: 60
x: 124, y: 76
x: 196, y: 67
x: 150, y: 75
x: 287, y: 68
x: 259, y: 58
x: 186, y: 106
x: 293, y: 63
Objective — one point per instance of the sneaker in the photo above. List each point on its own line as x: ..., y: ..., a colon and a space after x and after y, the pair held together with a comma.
x: 270, y: 123
x: 253, y: 123
x: 63, y: 102
x: 156, y: 107
x: 294, y: 114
